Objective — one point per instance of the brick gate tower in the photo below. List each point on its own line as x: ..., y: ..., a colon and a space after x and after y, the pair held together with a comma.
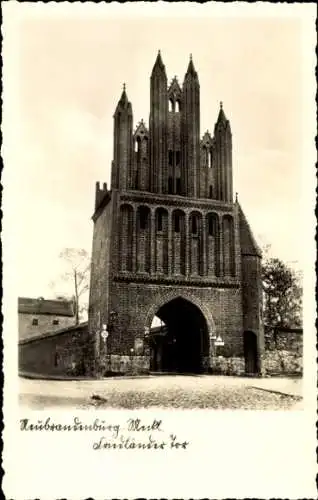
x: 170, y: 241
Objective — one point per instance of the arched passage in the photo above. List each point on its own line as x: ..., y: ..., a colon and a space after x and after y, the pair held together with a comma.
x: 183, y: 342
x: 250, y: 353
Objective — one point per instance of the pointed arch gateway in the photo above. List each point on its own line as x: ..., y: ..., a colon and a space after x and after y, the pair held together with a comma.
x: 182, y: 344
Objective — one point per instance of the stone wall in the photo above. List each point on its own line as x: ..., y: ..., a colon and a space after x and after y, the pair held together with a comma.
x: 124, y: 365
x: 227, y: 366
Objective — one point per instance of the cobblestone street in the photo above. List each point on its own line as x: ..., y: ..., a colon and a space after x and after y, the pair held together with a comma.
x: 213, y: 392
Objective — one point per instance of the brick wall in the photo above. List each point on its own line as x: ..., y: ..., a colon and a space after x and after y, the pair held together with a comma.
x: 60, y: 353
x: 136, y: 306
x: 132, y: 294
x: 45, y: 324
x: 100, y: 279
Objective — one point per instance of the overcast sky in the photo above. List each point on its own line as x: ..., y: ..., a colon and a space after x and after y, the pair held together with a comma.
x: 67, y: 73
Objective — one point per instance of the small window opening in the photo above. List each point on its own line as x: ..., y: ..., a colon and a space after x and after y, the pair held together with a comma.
x: 170, y: 185
x: 170, y: 157
x: 194, y: 225
x: 55, y: 322
x: 177, y: 158
x: 210, y: 192
x: 143, y: 219
x: 211, y: 227
x: 177, y: 224
x: 178, y: 107
x: 209, y: 159
x: 35, y: 322
x: 137, y: 180
x: 178, y: 185
x: 204, y: 154
x: 159, y: 221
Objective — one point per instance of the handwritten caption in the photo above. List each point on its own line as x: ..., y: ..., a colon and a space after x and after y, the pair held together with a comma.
x: 134, y: 434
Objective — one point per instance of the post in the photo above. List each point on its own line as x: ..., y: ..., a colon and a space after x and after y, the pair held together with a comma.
x: 131, y: 359
x: 104, y: 334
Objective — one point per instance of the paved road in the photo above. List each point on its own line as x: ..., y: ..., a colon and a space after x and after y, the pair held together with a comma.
x: 214, y: 392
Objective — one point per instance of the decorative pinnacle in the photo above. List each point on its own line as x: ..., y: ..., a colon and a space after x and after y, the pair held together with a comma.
x: 236, y: 194
x: 221, y: 104
x: 158, y: 63
x: 191, y: 70
x: 124, y: 87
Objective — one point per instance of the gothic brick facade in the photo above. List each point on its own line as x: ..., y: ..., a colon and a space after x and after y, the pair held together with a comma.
x: 170, y: 241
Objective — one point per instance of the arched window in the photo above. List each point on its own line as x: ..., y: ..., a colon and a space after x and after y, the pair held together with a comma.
x: 209, y: 159
x: 126, y: 230
x: 171, y: 105
x: 143, y: 217
x: 204, y: 151
x: 159, y: 221
x: 178, y: 106
x: 212, y: 225
x: 228, y: 245
x: 144, y: 148
x: 177, y: 223
x: 194, y: 225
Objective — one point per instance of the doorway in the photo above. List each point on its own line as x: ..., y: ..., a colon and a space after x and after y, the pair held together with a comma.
x: 250, y: 353
x: 181, y: 344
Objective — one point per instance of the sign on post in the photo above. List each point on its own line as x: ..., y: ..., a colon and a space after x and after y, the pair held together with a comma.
x: 104, y: 333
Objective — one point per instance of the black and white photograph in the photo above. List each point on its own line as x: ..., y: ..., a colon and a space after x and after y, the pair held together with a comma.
x: 158, y: 201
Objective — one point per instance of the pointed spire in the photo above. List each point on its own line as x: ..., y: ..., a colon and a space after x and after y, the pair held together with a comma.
x: 159, y: 66
x: 222, y: 121
x: 191, y: 73
x: 123, y: 102
x: 222, y: 117
x: 123, y: 99
x: 191, y: 70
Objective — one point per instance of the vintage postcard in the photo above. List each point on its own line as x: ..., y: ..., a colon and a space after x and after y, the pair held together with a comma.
x: 158, y: 250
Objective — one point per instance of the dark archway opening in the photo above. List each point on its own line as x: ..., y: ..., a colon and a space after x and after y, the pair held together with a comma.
x: 250, y: 353
x: 180, y: 345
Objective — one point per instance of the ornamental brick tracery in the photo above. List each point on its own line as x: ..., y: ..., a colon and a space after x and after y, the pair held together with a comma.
x: 169, y: 229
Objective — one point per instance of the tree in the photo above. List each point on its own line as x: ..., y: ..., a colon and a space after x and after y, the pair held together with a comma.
x: 282, y: 294
x: 76, y: 262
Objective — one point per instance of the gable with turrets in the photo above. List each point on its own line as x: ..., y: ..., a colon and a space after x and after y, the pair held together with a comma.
x: 169, y: 221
